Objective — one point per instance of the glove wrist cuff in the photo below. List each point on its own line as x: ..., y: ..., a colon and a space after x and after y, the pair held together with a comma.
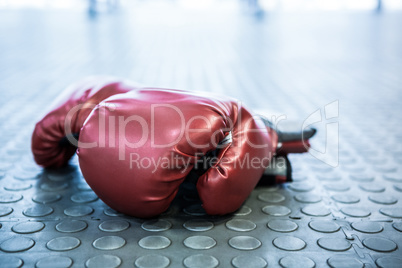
x: 279, y: 171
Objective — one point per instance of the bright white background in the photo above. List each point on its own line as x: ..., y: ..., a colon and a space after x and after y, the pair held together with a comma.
x: 267, y: 5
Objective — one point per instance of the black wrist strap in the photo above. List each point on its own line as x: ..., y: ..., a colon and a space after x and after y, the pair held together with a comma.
x: 290, y: 130
x: 279, y: 171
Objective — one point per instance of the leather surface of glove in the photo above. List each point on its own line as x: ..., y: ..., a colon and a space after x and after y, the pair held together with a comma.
x: 48, y: 147
x: 136, y: 148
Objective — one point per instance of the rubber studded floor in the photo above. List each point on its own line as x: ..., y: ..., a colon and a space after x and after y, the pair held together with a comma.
x: 290, y: 65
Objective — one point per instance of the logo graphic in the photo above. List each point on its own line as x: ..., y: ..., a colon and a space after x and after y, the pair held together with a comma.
x: 327, y: 147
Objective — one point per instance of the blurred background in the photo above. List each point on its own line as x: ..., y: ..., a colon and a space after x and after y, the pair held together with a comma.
x: 335, y: 62
x: 281, y: 57
x: 265, y: 5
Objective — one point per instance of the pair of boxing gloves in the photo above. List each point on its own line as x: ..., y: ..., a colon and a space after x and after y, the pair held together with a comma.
x: 136, y: 145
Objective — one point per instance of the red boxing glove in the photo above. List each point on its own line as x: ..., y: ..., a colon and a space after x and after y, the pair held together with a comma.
x: 50, y: 146
x: 135, y: 149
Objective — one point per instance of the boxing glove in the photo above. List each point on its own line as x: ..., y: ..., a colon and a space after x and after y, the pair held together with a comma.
x: 50, y: 146
x: 136, y: 148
